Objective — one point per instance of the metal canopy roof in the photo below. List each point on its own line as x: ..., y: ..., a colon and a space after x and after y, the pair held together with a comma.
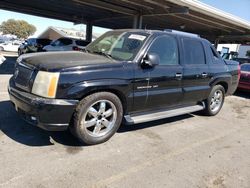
x: 186, y: 15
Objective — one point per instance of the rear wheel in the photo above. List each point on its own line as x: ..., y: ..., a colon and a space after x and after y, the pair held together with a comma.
x: 97, y: 118
x: 215, y: 100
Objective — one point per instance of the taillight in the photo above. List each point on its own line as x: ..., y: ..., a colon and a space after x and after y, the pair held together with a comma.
x: 239, y: 72
x: 76, y: 48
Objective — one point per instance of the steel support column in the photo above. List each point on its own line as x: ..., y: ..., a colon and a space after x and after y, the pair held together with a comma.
x: 89, y: 31
x: 137, y: 21
x: 216, y: 42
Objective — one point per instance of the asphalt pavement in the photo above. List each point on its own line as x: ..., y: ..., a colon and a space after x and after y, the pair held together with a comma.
x: 186, y: 151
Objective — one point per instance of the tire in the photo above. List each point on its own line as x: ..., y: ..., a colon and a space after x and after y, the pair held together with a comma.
x: 1, y: 49
x: 215, y: 101
x: 97, y: 118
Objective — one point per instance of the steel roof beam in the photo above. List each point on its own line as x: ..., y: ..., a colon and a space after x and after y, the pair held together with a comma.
x: 216, y: 23
x: 200, y: 23
x: 108, y: 6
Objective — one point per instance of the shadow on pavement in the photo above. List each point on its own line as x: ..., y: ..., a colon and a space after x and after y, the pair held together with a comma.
x: 17, y: 129
x: 7, y: 67
x: 127, y: 128
x: 243, y: 94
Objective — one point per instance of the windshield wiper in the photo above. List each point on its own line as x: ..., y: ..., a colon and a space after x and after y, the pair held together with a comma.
x: 103, y: 54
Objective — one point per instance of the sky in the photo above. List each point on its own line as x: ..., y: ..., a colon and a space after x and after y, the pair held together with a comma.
x: 240, y: 8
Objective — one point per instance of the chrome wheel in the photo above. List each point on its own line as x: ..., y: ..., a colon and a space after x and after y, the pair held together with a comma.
x: 100, y: 118
x: 216, y: 101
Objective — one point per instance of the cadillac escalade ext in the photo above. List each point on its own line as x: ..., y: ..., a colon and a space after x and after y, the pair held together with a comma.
x: 129, y: 76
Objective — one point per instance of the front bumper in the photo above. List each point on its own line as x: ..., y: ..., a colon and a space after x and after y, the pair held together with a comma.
x: 48, y: 114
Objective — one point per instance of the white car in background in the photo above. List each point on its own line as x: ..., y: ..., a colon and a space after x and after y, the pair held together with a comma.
x: 2, y: 58
x: 66, y: 44
x: 11, y: 46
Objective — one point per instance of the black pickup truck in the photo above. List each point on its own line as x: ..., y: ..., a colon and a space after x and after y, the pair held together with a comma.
x: 132, y: 76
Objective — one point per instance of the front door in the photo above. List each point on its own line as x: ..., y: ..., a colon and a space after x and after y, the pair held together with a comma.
x: 159, y: 86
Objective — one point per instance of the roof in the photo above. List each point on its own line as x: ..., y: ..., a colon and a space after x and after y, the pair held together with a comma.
x: 186, y: 15
x: 66, y: 32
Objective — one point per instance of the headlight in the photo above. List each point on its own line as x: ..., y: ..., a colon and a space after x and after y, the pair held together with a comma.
x: 45, y: 84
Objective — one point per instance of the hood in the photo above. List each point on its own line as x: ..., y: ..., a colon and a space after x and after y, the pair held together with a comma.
x: 63, y: 60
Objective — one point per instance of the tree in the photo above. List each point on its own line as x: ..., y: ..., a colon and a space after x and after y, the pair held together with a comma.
x: 248, y: 53
x: 20, y: 28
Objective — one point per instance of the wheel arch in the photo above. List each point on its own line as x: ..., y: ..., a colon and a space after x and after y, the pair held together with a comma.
x: 116, y: 92
x: 223, y: 81
x: 224, y: 85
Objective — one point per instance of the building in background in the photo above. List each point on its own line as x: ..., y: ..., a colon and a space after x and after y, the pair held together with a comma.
x: 54, y: 33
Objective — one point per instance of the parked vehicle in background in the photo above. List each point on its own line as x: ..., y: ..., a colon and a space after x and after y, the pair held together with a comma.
x: 2, y: 41
x: 242, y: 60
x: 131, y: 75
x: 66, y: 44
x: 229, y: 56
x: 11, y: 46
x: 33, y: 45
x: 2, y: 58
x: 244, y: 83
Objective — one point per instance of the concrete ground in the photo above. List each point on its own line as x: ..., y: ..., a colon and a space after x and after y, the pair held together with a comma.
x: 185, y: 151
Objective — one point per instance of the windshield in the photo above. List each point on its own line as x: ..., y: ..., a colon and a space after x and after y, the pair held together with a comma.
x: 118, y: 45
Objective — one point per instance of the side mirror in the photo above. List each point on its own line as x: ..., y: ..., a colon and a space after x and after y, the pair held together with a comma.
x: 150, y: 60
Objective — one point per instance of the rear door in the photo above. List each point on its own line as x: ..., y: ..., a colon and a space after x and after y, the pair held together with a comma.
x: 159, y: 86
x: 196, y: 74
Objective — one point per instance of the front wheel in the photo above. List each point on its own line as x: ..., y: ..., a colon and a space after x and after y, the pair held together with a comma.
x: 215, y: 101
x: 97, y: 118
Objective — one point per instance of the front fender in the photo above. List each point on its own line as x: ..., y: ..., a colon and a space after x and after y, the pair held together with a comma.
x: 83, y: 88
x: 122, y: 88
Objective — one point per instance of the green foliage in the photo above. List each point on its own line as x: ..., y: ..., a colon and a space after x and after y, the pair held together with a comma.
x: 20, y: 28
x: 248, y: 53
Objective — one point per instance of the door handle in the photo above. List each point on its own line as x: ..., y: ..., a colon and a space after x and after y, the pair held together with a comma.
x: 204, y: 75
x: 178, y: 75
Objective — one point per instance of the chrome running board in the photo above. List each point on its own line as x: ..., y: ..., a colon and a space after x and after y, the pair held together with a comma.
x: 156, y: 115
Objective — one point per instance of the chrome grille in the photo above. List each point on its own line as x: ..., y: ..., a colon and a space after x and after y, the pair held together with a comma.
x: 22, y: 76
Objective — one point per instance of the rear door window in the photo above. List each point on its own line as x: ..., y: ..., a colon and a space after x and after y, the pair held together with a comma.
x: 215, y: 56
x: 81, y: 43
x: 43, y: 41
x: 193, y: 52
x: 65, y: 42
